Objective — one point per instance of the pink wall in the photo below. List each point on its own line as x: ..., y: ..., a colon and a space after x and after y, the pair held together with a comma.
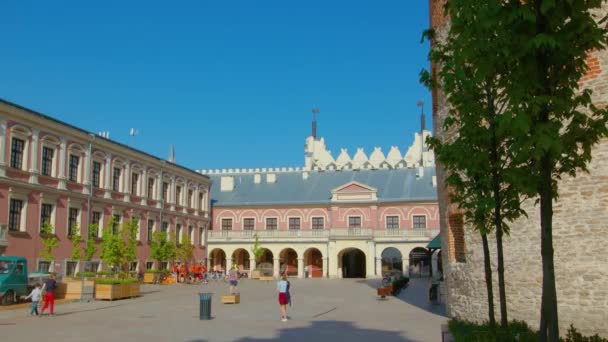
x: 336, y: 216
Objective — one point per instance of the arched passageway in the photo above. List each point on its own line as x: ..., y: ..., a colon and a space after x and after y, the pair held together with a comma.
x: 391, y: 260
x: 240, y: 257
x: 217, y: 260
x: 289, y: 262
x: 313, y: 263
x: 351, y: 262
x: 265, y: 263
x: 420, y: 262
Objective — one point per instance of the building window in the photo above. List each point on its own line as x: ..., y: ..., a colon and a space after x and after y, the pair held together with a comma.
x: 134, y: 181
x: 47, y: 161
x: 165, y: 227
x: 44, y: 266
x: 419, y: 222
x: 294, y: 223
x: 116, y: 179
x: 318, y: 223
x: 178, y: 232
x: 150, y: 230
x: 14, y: 215
x: 73, y: 171
x: 96, y: 174
x: 271, y: 223
x: 226, y: 224
x: 200, y: 201
x: 115, y: 224
x: 392, y: 222
x: 95, y: 220
x: 190, y: 193
x: 178, y: 195
x: 191, y: 234
x: 17, y: 148
x: 165, y: 190
x: 150, y: 187
x: 354, y: 222
x: 149, y: 265
x: 201, y: 236
x: 72, y: 220
x: 70, y: 268
x: 46, y: 212
x: 249, y: 224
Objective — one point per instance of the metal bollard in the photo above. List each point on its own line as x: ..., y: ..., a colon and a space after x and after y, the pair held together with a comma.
x: 205, y: 306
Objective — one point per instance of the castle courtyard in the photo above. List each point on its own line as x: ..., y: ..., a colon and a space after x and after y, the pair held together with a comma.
x: 322, y: 310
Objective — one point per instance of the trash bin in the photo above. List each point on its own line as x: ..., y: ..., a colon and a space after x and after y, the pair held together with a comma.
x: 205, y: 306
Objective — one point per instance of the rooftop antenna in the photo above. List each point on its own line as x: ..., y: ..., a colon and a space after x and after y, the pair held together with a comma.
x: 315, y: 111
x: 420, y: 104
x: 133, y: 132
x: 171, y: 154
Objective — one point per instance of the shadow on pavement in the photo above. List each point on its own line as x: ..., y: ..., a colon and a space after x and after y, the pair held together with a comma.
x: 331, y: 331
x: 415, y: 294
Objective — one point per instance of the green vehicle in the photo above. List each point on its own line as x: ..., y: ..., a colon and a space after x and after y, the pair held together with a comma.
x: 15, y: 281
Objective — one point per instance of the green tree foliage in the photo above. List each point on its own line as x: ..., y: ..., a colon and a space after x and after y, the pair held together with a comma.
x: 90, y: 247
x: 76, y: 239
x: 185, y: 251
x: 161, y: 248
x: 257, y: 250
x: 112, y: 245
x: 129, y: 239
x: 49, y: 242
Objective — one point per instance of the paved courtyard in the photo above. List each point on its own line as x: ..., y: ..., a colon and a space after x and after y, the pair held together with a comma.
x: 322, y: 310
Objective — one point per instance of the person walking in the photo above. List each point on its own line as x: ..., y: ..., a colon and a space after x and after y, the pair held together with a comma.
x: 36, y: 294
x: 50, y: 285
x: 284, y: 296
x: 233, y: 279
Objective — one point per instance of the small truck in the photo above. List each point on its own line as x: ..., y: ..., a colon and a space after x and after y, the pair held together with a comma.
x: 15, y: 281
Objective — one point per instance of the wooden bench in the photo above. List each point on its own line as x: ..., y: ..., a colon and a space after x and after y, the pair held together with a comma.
x: 231, y: 299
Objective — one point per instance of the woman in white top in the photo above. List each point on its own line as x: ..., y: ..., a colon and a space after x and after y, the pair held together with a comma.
x: 284, y: 298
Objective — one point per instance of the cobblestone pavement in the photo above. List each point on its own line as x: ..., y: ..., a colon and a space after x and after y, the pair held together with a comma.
x: 322, y: 310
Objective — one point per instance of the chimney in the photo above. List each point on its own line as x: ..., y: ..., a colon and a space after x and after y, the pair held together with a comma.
x: 315, y: 111
x: 226, y: 183
x: 271, y: 178
x: 257, y: 178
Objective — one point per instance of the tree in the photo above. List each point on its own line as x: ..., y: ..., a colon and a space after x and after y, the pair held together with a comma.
x: 76, y: 240
x: 555, y: 122
x: 186, y: 250
x: 257, y: 250
x: 112, y: 246
x: 129, y: 238
x: 49, y: 242
x: 90, y: 248
x: 161, y: 249
x: 473, y: 73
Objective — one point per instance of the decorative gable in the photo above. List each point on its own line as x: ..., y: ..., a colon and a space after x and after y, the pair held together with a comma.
x: 354, y: 192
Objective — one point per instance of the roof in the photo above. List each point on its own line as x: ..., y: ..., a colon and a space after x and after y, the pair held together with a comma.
x: 435, y: 243
x: 46, y: 117
x: 394, y: 185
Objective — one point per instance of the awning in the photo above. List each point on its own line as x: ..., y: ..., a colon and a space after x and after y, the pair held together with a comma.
x: 435, y: 243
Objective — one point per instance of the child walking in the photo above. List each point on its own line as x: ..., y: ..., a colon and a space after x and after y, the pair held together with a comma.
x: 36, y: 294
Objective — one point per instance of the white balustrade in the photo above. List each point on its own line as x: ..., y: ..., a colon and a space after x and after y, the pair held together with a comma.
x: 322, y: 233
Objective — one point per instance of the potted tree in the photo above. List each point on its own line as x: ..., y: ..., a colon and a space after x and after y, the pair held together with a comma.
x: 161, y: 249
x: 258, y: 251
x: 185, y: 252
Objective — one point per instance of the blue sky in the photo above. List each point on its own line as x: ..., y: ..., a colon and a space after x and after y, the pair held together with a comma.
x: 229, y: 83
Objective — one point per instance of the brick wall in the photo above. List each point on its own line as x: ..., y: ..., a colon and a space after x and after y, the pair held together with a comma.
x: 580, y: 239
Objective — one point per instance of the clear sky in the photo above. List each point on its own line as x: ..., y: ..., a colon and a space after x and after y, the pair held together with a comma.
x: 229, y: 83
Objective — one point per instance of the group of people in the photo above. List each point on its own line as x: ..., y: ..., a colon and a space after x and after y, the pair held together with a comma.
x: 43, y: 295
x: 188, y: 273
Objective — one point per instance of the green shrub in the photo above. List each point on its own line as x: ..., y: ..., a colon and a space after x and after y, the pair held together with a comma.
x: 85, y: 274
x: 105, y: 273
x: 157, y: 271
x: 115, y: 281
x: 575, y: 336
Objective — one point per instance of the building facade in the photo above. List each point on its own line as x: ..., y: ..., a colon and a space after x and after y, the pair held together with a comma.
x: 579, y: 237
x: 53, y: 172
x: 343, y: 217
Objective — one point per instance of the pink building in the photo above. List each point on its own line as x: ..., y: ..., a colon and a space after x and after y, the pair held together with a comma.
x: 53, y: 172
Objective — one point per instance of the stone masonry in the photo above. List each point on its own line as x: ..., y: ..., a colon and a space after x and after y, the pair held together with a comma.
x: 580, y: 239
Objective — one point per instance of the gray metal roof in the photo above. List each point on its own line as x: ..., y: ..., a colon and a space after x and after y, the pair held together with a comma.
x: 398, y: 185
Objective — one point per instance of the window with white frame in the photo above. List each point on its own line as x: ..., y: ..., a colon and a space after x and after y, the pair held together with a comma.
x: 227, y: 224
x: 134, y: 183
x: 150, y: 230
x: 96, y: 222
x: 17, y: 153
x: 44, y: 266
x: 191, y: 234
x: 165, y: 191
x: 46, y: 214
x: 294, y: 223
x: 190, y: 194
x: 165, y: 227
x: 46, y: 167
x: 96, y: 174
x: 70, y: 268
x: 178, y: 233
x: 392, y: 222
x: 419, y: 221
x: 249, y: 223
x: 150, y: 188
x: 200, y: 201
x: 149, y: 265
x: 73, y: 168
x: 178, y: 195
x: 16, y: 216
x: 115, y: 223
x: 116, y: 179
x: 271, y: 223
x: 72, y: 221
x: 354, y: 222
x: 136, y: 219
x: 201, y: 235
x: 318, y: 223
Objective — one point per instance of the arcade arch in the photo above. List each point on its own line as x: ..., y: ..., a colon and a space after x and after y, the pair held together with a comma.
x: 313, y: 263
x: 352, y: 263
x: 289, y: 262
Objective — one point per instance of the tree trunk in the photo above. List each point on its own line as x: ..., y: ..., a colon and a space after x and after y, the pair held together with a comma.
x: 504, y: 320
x: 549, y: 326
x: 488, y: 270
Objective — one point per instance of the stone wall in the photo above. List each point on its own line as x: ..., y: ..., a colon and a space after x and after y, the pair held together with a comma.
x: 580, y: 239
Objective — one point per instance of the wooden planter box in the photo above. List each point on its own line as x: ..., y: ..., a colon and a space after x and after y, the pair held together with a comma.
x: 266, y: 278
x: 256, y: 274
x: 117, y: 291
x: 231, y: 299
x: 384, y: 292
x: 71, y: 288
x: 151, y: 278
